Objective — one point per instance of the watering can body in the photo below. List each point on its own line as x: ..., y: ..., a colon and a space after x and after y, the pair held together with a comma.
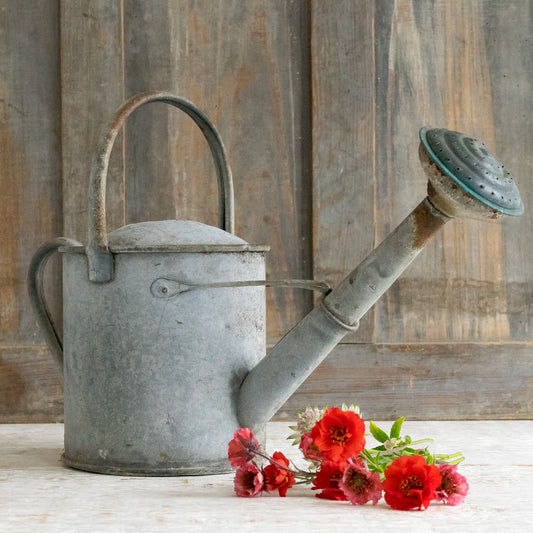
x: 150, y: 379
x: 163, y: 354
x: 146, y: 377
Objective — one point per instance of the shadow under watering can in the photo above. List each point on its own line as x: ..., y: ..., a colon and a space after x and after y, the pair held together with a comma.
x: 164, y: 350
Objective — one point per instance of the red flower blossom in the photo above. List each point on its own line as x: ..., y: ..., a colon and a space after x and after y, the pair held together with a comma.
x: 339, y: 435
x: 359, y: 485
x: 309, y: 448
x: 277, y: 475
x: 243, y: 447
x: 453, y: 487
x: 249, y: 480
x: 410, y: 483
x: 327, y: 479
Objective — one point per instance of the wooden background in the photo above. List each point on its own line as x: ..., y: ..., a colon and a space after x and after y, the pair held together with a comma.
x: 319, y: 105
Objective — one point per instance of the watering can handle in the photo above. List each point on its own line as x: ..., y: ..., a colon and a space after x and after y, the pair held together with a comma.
x: 98, y: 254
x: 37, y: 299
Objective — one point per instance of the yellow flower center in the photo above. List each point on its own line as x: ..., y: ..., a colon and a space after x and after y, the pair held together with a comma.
x: 410, y: 483
x: 338, y: 435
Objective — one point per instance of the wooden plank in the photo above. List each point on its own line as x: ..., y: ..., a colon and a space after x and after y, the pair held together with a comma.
x: 343, y: 141
x: 425, y: 381
x: 434, y: 68
x: 30, y: 175
x: 30, y: 184
x: 510, y: 59
x: 92, y: 88
x: 30, y: 387
x: 252, y: 82
x: 148, y: 60
x: 381, y: 70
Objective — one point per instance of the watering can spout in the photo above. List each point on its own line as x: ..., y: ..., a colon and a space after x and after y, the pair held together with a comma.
x: 464, y: 179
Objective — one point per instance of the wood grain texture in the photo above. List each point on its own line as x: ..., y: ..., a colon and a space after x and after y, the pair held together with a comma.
x: 433, y: 63
x: 30, y: 387
x: 319, y: 106
x: 91, y: 89
x: 427, y: 381
x: 343, y: 141
x: 434, y: 69
x: 30, y: 199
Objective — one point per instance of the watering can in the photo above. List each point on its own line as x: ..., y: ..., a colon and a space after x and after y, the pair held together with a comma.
x: 163, y: 351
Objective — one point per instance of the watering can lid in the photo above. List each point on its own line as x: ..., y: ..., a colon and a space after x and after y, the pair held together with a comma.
x: 174, y: 236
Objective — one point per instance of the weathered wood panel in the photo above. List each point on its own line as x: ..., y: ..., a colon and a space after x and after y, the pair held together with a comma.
x: 511, y: 66
x: 353, y: 81
x: 426, y: 63
x: 30, y: 388
x: 343, y: 141
x: 30, y: 185
x: 92, y: 87
x: 423, y: 381
x: 433, y: 68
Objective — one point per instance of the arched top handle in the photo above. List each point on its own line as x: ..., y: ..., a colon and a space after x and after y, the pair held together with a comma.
x: 101, y: 268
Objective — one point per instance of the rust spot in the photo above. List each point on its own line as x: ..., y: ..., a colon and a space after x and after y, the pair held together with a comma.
x: 426, y: 221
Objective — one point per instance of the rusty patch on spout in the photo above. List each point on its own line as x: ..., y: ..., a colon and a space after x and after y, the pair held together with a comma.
x: 426, y: 221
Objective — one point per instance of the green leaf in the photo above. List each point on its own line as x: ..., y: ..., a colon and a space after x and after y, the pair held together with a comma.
x: 396, y: 428
x: 377, y: 433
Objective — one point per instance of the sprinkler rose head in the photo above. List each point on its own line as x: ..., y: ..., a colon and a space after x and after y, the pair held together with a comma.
x: 465, y: 179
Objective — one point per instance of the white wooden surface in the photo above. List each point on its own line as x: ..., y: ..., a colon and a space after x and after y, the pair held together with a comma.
x: 38, y: 494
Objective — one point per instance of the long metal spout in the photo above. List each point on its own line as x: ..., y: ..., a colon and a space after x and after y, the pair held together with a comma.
x: 464, y: 179
x: 269, y: 385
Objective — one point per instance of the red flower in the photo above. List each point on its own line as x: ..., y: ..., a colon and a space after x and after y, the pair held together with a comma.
x: 243, y: 447
x: 309, y: 448
x: 359, y: 485
x: 339, y: 435
x: 278, y: 476
x: 249, y: 480
x: 327, y: 479
x: 410, y: 483
x: 453, y: 487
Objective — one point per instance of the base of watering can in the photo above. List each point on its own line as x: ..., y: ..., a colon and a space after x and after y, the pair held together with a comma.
x: 218, y: 467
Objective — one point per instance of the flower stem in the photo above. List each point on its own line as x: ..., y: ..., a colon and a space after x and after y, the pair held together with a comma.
x: 296, y: 471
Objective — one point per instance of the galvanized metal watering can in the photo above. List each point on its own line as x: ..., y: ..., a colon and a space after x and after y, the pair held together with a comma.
x: 163, y: 353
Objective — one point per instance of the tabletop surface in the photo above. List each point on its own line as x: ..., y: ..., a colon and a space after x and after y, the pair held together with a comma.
x: 38, y: 493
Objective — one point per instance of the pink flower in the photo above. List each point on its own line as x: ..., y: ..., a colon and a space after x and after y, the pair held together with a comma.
x: 249, y: 481
x: 453, y: 487
x: 243, y: 447
x: 309, y: 448
x: 359, y: 485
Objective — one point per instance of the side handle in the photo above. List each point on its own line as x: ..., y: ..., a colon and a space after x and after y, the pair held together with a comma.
x: 37, y: 299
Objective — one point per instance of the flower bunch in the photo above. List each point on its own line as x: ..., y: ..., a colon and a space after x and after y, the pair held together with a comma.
x: 341, y: 467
